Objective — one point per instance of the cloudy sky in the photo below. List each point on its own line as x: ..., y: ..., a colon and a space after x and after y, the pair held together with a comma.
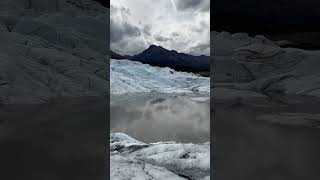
x: 182, y: 25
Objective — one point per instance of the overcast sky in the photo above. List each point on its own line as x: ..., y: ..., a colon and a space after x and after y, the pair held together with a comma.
x: 182, y: 25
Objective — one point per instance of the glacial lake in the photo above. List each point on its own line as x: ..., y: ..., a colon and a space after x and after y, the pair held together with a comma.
x: 154, y: 117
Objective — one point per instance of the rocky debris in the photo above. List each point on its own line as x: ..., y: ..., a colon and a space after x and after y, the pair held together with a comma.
x: 131, y: 159
x: 52, y: 49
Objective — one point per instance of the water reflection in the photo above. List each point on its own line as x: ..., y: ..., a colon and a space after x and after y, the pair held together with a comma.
x: 153, y: 117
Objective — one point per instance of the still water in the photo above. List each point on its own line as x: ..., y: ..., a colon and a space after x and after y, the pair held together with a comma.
x: 154, y: 117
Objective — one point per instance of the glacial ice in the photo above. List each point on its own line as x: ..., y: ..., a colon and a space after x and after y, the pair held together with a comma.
x: 257, y: 66
x: 52, y: 50
x: 132, y: 159
x: 130, y: 77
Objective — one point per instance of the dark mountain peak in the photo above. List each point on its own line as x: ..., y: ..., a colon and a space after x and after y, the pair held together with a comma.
x: 114, y: 55
x: 153, y: 47
x: 159, y: 56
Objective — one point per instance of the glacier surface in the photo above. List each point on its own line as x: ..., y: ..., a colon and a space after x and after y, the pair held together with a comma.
x: 256, y: 67
x: 131, y: 77
x: 135, y: 160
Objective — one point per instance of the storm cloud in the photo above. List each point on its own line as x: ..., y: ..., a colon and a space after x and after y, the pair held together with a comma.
x: 181, y: 25
x: 120, y: 31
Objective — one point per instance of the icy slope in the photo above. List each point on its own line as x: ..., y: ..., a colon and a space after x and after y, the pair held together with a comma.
x: 131, y: 76
x: 52, y: 50
x: 259, y: 65
x: 131, y: 159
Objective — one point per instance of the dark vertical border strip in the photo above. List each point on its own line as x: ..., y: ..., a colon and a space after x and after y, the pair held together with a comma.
x: 212, y: 124
x: 107, y: 130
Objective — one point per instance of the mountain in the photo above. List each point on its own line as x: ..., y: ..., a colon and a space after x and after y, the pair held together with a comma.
x: 159, y: 56
x: 114, y: 55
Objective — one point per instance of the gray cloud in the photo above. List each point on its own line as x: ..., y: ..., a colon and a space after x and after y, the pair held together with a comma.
x: 175, y: 34
x: 201, y: 47
x: 202, y: 27
x: 203, y: 5
x: 179, y: 25
x: 120, y: 30
x: 147, y: 30
x: 161, y: 38
x: 120, y: 9
x: 126, y: 48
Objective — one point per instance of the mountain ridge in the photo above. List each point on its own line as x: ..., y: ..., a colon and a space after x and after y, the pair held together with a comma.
x: 159, y: 56
x: 114, y: 55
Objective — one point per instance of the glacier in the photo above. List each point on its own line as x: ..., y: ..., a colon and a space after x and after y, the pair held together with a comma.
x: 247, y: 66
x: 160, y: 99
x: 131, y: 77
x: 135, y: 160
